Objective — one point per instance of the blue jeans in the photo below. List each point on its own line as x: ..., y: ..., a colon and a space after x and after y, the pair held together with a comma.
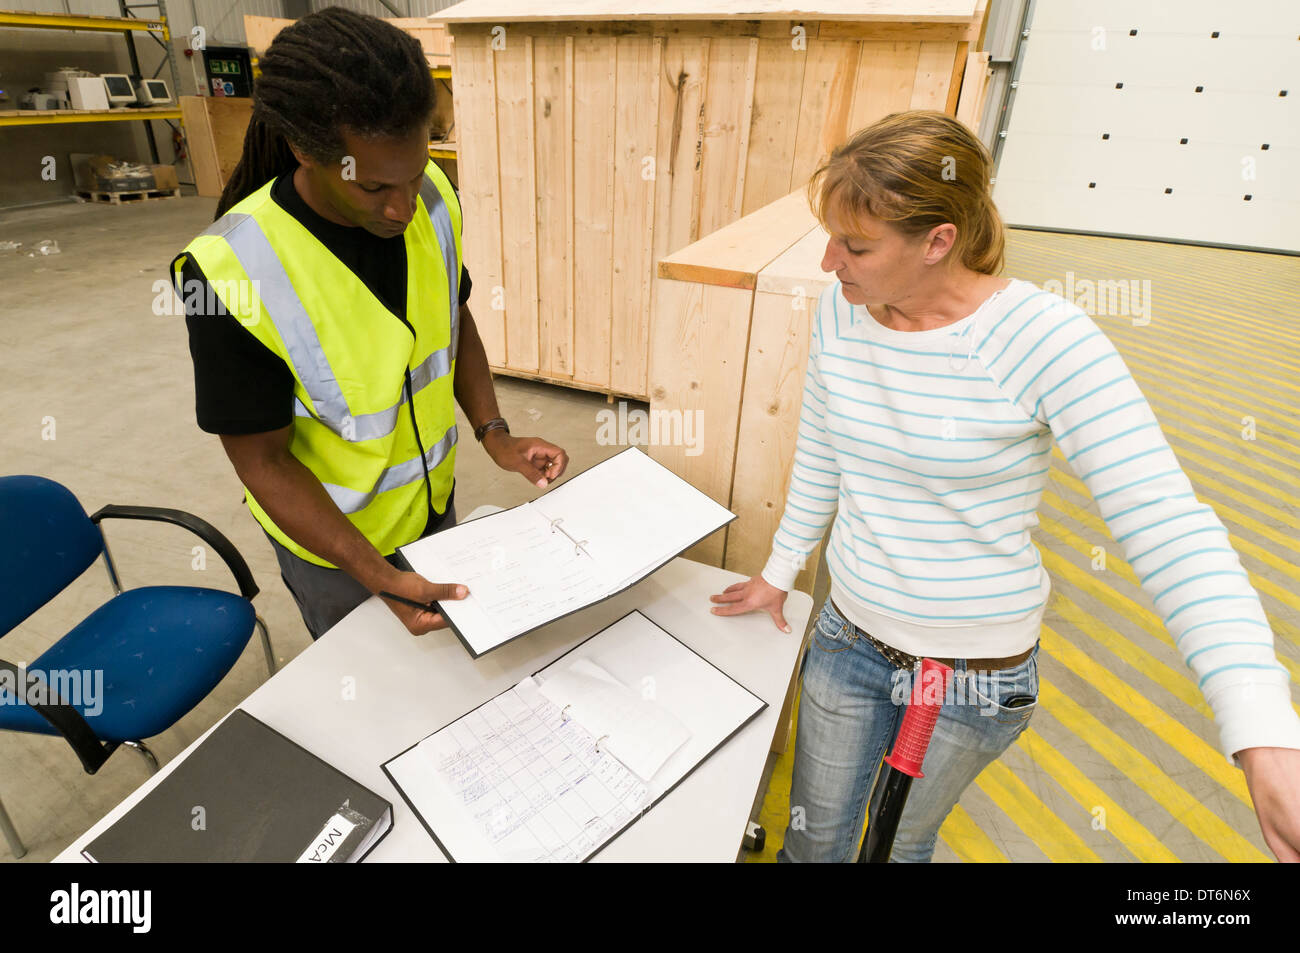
x: 849, y: 715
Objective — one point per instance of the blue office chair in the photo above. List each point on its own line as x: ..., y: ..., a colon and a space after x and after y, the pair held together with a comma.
x: 135, y: 665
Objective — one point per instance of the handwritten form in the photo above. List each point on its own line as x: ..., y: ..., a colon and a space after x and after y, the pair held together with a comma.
x: 583, y: 541
x: 522, y: 777
x: 530, y: 781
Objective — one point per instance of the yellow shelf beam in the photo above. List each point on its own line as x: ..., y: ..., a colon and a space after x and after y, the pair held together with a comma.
x: 63, y: 21
x: 44, y: 117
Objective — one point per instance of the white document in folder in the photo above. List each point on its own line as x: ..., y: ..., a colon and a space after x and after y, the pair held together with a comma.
x: 553, y: 768
x: 583, y: 541
x: 637, y: 731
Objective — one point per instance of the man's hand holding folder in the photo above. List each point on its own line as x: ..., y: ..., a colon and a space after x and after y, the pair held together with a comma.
x: 414, y: 600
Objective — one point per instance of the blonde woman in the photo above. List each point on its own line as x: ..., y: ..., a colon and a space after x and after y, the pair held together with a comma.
x: 933, y: 392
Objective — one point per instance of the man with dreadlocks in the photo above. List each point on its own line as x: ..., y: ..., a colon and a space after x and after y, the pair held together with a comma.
x: 328, y: 326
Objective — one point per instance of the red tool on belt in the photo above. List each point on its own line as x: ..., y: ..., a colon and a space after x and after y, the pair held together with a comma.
x: 904, y: 763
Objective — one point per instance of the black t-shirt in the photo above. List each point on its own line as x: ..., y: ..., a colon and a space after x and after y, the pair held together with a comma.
x: 240, y: 385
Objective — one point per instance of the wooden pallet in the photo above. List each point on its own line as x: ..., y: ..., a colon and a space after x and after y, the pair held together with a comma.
x: 120, y: 198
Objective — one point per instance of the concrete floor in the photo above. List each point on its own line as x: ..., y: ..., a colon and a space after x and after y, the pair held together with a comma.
x: 81, y: 345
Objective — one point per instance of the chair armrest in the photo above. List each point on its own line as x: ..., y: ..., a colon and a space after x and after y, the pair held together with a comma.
x: 69, y: 723
x: 199, y: 527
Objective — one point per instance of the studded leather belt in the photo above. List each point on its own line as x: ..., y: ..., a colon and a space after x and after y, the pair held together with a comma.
x: 903, y: 660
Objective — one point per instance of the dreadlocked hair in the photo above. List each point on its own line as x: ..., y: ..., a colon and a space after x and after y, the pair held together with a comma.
x: 332, y: 70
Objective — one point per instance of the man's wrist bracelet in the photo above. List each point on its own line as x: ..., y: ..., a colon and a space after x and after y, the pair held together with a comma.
x: 496, y: 423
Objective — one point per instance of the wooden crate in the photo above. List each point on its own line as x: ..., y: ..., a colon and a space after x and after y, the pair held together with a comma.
x: 596, y: 138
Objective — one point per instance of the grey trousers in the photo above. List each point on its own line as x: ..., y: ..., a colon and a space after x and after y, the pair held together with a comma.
x: 325, y: 596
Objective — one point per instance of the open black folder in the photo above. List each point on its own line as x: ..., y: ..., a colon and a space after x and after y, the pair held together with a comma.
x: 248, y: 794
x: 580, y: 543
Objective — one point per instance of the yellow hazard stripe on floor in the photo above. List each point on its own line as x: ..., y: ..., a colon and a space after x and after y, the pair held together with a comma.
x: 1105, y: 813
x: 1053, y: 836
x: 965, y: 839
x: 1207, y: 826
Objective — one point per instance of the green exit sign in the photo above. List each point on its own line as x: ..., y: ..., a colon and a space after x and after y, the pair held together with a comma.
x: 224, y: 67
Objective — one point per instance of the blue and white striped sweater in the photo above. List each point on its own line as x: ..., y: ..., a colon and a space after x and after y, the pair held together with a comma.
x: 929, y: 451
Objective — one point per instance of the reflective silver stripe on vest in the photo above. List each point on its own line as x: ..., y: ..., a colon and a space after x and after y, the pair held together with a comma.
x: 382, y: 422
x: 401, y: 474
x: 442, y: 227
x: 257, y: 257
x: 254, y: 251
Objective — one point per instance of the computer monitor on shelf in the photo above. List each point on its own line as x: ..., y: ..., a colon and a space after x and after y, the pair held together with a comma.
x: 119, y: 88
x: 154, y: 92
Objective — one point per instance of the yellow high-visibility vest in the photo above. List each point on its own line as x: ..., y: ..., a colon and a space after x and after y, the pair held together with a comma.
x: 351, y: 357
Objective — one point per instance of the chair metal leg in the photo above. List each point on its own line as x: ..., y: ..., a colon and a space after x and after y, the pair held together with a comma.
x: 112, y: 570
x: 140, y: 748
x: 11, y: 834
x: 266, y: 645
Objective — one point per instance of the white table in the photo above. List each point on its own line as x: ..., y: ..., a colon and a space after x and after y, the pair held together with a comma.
x: 404, y: 688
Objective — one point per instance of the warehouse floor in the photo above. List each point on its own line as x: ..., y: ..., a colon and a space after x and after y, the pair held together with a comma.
x: 1121, y: 726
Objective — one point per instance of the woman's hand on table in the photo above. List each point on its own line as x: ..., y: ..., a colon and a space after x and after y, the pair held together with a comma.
x: 758, y: 593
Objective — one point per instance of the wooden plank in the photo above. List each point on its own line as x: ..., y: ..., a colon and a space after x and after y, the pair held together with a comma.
x: 474, y: 85
x: 769, y: 412
x: 827, y: 101
x: 933, y: 73
x: 515, y: 99
x: 639, y: 60
x: 886, y: 75
x: 979, y: 23
x: 260, y: 31
x: 797, y: 271
x: 504, y: 11
x: 677, y: 169
x: 746, y: 126
x: 733, y: 256
x: 562, y: 382
x: 669, y: 29
x: 202, y: 150
x: 214, y: 128
x: 974, y: 86
x: 893, y: 32
x: 769, y: 418
x: 774, y: 121
x: 433, y: 36
x: 553, y: 118
x: 593, y: 201
x: 725, y: 122
x: 681, y: 85
x: 697, y: 364
x: 570, y: 273
x: 954, y: 81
